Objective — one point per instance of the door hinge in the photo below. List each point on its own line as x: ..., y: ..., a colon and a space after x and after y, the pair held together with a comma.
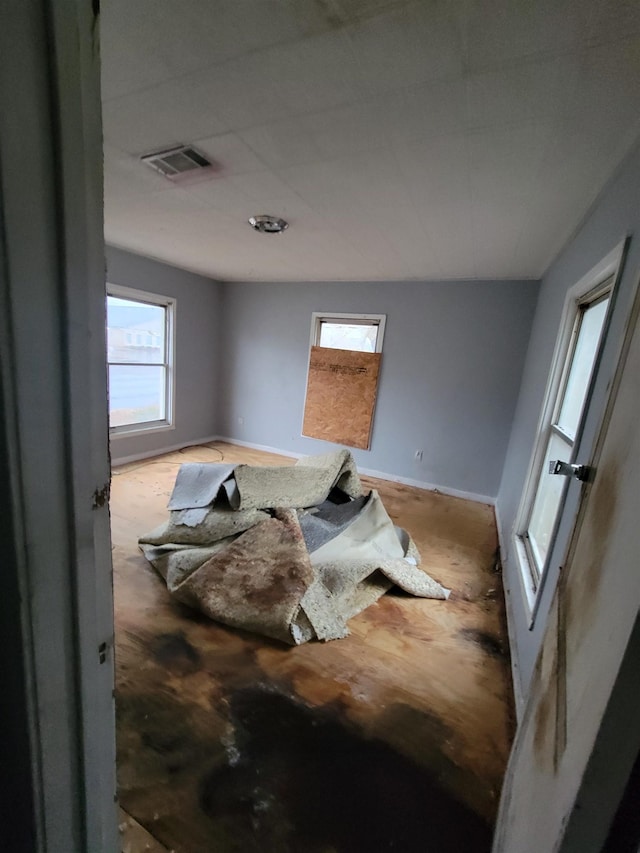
x: 103, y: 651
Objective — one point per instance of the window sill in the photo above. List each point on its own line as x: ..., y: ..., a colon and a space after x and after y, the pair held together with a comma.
x: 136, y: 430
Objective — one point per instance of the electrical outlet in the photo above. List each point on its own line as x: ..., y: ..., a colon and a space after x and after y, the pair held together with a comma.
x: 241, y: 421
x: 418, y: 455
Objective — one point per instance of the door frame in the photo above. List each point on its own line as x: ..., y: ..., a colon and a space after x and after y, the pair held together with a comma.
x: 54, y: 431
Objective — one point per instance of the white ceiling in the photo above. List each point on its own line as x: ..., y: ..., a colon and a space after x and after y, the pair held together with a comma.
x: 402, y: 140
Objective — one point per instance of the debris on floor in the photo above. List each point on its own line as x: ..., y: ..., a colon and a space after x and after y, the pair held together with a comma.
x: 290, y: 552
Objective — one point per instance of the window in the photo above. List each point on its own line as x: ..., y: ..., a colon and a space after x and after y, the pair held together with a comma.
x: 575, y: 360
x: 358, y: 332
x: 140, y: 360
x: 342, y: 381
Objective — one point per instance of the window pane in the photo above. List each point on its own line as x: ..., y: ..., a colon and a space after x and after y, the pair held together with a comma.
x: 135, y: 331
x: 136, y: 394
x: 547, y: 502
x: 582, y: 366
x: 348, y: 336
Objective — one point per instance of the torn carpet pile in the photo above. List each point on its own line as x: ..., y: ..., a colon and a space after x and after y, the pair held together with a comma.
x: 290, y: 552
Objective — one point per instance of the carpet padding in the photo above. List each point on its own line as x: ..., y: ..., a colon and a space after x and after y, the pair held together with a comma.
x: 272, y: 554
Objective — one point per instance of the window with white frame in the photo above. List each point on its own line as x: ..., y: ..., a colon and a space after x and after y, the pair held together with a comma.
x: 344, y: 368
x: 358, y: 332
x: 140, y: 357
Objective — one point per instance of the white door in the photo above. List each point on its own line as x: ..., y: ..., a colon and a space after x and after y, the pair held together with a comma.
x: 580, y: 732
x: 564, y: 426
x: 560, y: 462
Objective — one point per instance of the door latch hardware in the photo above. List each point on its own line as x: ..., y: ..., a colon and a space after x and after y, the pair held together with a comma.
x: 102, y: 652
x: 566, y: 469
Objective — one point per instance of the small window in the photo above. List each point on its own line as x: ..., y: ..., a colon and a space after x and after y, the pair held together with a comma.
x: 342, y: 381
x: 356, y: 332
x: 140, y: 360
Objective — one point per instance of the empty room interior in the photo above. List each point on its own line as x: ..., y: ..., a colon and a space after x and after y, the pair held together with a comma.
x: 371, y: 380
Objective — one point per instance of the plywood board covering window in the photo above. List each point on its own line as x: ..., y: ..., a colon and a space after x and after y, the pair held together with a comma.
x: 342, y: 384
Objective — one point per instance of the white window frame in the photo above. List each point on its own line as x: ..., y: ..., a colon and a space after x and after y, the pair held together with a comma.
x: 170, y: 306
x: 318, y: 317
x: 589, y: 288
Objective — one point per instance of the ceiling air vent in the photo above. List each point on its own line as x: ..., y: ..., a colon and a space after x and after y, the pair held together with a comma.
x: 176, y: 162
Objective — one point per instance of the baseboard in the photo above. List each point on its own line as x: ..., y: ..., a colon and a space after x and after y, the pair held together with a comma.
x: 428, y: 487
x: 266, y: 447
x: 148, y: 454
x: 369, y: 472
x: 513, y: 647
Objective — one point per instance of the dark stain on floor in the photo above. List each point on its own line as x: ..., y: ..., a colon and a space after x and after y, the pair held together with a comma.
x: 487, y: 642
x: 432, y: 744
x: 176, y: 653
x: 164, y: 728
x: 297, y: 780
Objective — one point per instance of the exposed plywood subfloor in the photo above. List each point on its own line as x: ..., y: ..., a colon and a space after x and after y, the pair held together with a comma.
x: 419, y: 693
x: 135, y: 838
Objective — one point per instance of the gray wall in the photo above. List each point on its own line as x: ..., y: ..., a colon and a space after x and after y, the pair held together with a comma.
x: 197, y: 348
x: 451, y: 369
x: 616, y: 213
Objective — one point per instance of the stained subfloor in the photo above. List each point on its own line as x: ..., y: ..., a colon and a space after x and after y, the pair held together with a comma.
x: 395, y: 738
